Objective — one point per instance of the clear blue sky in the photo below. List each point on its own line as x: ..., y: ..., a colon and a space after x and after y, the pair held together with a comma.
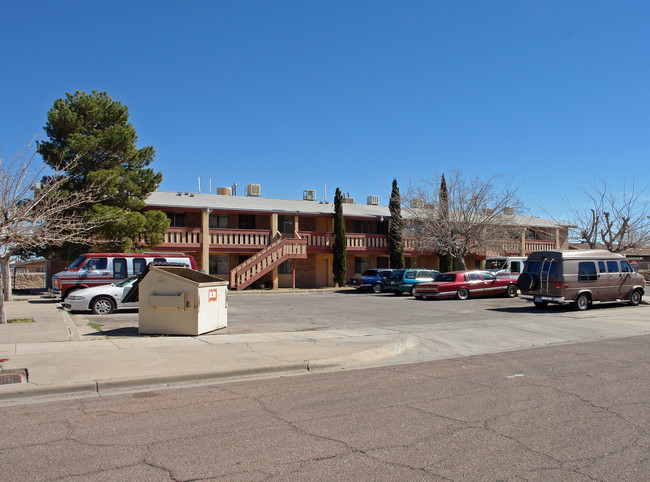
x: 298, y: 95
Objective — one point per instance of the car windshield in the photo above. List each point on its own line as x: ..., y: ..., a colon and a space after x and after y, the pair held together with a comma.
x: 126, y: 281
x: 77, y: 262
x: 445, y: 278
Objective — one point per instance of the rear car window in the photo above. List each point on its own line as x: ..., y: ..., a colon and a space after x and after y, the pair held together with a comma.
x: 397, y: 274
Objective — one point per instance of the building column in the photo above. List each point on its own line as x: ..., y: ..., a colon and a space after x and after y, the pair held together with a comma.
x: 275, y: 284
x: 296, y: 226
x: 523, y: 242
x: 557, y: 239
x: 205, y: 240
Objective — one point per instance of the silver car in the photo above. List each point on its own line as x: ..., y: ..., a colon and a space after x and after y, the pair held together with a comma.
x: 101, y: 300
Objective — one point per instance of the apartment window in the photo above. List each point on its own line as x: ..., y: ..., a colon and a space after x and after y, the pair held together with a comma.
x: 382, y: 227
x: 362, y: 226
x: 246, y: 221
x: 176, y: 220
x: 285, y: 268
x: 361, y: 263
x: 219, y: 221
x: 285, y: 224
x: 219, y: 264
x: 382, y: 262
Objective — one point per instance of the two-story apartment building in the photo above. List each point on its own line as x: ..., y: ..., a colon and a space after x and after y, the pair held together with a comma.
x: 271, y: 243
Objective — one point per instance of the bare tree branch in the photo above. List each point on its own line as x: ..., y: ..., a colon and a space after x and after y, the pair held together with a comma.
x: 36, y: 214
x: 469, y: 220
x: 618, y: 222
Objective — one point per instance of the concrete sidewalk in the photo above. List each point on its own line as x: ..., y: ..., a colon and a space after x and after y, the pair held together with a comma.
x: 58, y: 363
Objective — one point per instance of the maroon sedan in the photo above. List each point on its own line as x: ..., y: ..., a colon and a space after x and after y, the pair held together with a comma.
x: 463, y: 284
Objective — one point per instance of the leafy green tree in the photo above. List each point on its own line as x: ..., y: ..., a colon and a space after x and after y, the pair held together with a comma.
x: 339, y: 249
x: 91, y: 137
x: 396, y: 230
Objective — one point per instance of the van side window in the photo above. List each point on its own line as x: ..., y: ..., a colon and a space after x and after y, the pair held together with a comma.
x: 612, y: 266
x: 626, y: 268
x: 139, y: 264
x: 410, y: 275
x: 96, y: 263
x: 601, y: 266
x: 587, y: 271
x: 119, y: 268
x: 159, y: 261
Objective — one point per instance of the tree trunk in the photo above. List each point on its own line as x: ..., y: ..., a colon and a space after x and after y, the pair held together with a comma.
x: 460, y: 262
x: 6, y: 277
x: 6, y: 288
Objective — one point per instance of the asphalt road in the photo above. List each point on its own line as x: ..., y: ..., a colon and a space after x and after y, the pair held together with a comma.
x: 572, y: 412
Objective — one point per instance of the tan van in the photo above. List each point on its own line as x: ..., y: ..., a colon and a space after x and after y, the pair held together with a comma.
x: 581, y: 277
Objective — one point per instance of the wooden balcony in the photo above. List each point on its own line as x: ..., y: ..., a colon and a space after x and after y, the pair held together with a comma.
x: 247, y: 240
x: 184, y: 238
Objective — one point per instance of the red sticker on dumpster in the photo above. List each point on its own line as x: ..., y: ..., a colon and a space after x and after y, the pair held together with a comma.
x: 212, y: 294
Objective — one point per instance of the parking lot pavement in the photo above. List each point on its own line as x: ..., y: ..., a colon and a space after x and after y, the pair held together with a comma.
x: 310, y: 331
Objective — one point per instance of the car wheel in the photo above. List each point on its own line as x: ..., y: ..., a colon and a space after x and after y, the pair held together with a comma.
x: 103, y: 305
x: 412, y: 291
x: 462, y: 294
x: 635, y: 299
x: 582, y: 302
x: 541, y: 304
x: 511, y: 291
x: 377, y: 288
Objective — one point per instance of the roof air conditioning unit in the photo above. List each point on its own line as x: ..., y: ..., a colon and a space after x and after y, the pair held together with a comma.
x: 309, y: 195
x: 373, y: 200
x: 224, y: 191
x: 253, y: 190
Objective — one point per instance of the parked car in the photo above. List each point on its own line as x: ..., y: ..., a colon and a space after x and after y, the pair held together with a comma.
x: 581, y: 277
x: 402, y: 281
x: 96, y: 269
x: 465, y: 284
x: 101, y: 300
x: 373, y: 279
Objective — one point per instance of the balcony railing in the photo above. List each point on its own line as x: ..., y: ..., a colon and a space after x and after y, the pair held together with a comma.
x: 183, y: 236
x: 260, y: 238
x: 191, y: 237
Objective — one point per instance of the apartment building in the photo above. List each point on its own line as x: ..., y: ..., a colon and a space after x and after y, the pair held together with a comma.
x: 275, y: 243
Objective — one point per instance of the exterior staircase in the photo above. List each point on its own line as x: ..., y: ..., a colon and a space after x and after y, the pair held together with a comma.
x: 263, y: 262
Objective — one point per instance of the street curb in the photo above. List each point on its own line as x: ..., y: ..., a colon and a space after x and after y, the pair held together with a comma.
x: 98, y: 387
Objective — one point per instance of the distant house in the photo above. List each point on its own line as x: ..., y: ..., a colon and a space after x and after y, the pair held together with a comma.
x: 29, y: 275
x: 271, y: 243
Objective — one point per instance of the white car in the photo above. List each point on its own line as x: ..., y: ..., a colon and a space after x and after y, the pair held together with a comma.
x: 101, y: 300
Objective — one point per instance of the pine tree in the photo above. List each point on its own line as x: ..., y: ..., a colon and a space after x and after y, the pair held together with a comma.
x: 445, y: 260
x: 395, y: 232
x: 339, y: 249
x: 91, y: 137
